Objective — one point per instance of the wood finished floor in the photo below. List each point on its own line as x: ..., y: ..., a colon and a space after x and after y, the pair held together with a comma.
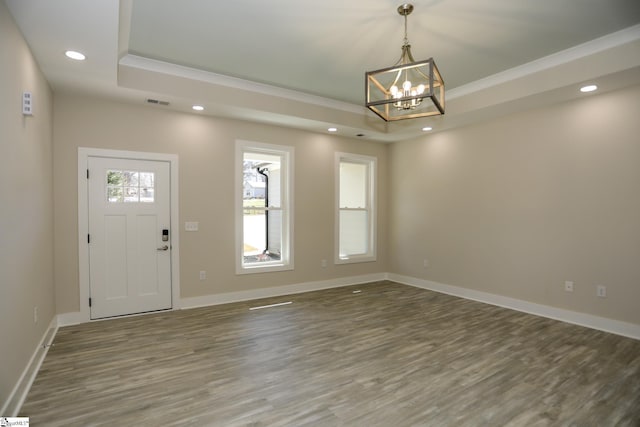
x: 391, y: 355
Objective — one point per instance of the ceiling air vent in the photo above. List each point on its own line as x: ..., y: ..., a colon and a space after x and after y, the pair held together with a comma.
x: 155, y: 101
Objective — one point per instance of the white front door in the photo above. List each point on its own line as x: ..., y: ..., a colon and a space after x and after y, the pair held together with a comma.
x: 129, y: 236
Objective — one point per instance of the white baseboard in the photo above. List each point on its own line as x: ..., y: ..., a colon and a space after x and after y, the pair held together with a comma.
x: 75, y: 318
x: 617, y: 327
x: 12, y: 406
x: 630, y: 330
x: 276, y: 291
x: 68, y: 319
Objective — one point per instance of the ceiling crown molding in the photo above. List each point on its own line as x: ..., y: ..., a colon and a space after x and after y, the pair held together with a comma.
x: 609, y: 41
x: 168, y: 68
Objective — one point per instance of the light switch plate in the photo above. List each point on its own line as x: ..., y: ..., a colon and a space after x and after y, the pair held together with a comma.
x: 27, y: 104
x: 191, y: 226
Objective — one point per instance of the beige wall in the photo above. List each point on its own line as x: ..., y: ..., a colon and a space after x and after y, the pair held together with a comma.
x: 514, y: 207
x: 518, y: 205
x: 26, y: 206
x: 205, y: 147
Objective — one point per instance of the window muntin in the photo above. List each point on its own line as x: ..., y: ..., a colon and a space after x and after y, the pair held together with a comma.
x: 263, y: 196
x: 355, y: 213
x: 126, y: 186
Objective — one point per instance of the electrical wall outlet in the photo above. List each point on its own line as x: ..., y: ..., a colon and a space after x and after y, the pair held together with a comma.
x: 425, y: 263
x: 203, y: 275
x: 323, y: 263
x: 601, y: 291
x: 35, y: 314
x: 568, y: 286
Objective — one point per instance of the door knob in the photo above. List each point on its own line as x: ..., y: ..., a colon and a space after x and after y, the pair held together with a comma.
x: 164, y: 248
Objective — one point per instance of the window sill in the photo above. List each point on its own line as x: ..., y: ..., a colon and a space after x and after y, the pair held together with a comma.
x: 355, y: 259
x: 263, y: 268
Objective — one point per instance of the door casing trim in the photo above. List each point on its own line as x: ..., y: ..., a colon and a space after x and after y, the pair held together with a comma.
x: 83, y: 220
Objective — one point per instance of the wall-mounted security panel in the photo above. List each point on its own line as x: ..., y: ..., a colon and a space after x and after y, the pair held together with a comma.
x: 27, y: 104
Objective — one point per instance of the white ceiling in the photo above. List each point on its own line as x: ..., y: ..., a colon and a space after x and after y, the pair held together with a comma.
x: 302, y: 64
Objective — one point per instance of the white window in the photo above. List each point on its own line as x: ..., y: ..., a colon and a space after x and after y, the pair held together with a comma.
x: 263, y: 207
x: 355, y: 208
x: 124, y: 186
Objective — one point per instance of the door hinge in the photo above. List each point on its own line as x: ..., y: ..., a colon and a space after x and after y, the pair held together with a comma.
x: 89, y: 302
x: 87, y: 173
x: 88, y: 238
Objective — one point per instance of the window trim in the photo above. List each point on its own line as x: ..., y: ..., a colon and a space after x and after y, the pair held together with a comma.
x: 123, y: 187
x: 287, y: 154
x: 372, y: 163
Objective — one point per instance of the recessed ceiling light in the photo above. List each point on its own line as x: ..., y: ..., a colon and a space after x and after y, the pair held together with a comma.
x: 427, y: 129
x: 333, y: 129
x: 198, y: 107
x: 75, y: 55
x: 588, y: 88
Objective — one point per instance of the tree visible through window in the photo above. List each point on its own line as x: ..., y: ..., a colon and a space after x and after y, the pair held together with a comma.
x: 130, y: 186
